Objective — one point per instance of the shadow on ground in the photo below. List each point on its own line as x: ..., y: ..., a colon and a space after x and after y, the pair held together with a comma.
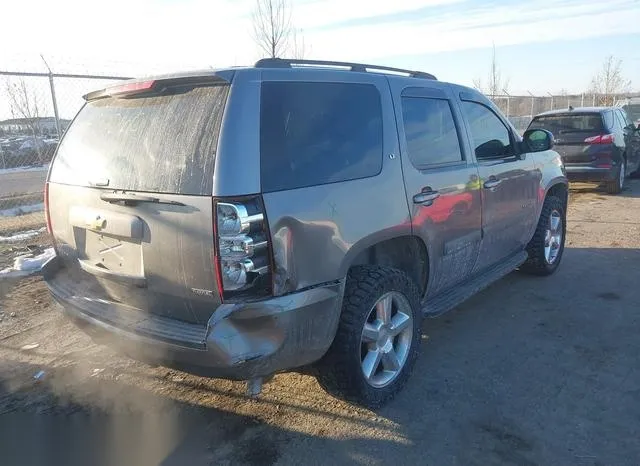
x: 630, y: 188
x: 531, y: 371
x: 108, y: 423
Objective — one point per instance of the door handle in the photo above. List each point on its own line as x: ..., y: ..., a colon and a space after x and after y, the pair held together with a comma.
x: 426, y: 197
x: 492, y: 183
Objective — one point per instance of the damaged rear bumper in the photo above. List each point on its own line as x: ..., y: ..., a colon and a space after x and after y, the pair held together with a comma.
x: 240, y: 341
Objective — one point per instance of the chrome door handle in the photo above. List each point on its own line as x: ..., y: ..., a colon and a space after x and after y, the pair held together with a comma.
x: 426, y: 198
x: 492, y: 183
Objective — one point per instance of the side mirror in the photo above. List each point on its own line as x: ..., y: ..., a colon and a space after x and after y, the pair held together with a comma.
x: 537, y: 140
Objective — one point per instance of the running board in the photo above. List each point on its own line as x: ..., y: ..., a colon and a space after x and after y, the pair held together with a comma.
x: 455, y: 296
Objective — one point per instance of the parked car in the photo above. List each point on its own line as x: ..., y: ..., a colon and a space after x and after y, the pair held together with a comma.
x: 249, y: 221
x: 596, y: 143
x: 35, y: 150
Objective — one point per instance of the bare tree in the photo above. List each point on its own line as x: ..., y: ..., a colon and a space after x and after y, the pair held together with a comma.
x: 496, y: 83
x: 272, y: 26
x: 609, y: 81
x: 26, y: 105
x: 274, y: 32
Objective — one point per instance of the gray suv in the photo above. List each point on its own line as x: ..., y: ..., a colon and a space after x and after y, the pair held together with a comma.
x: 241, y: 222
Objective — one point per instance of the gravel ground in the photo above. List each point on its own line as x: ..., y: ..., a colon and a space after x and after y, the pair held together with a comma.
x: 533, y: 371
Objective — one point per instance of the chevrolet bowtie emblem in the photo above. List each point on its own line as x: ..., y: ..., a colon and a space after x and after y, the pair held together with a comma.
x: 97, y: 224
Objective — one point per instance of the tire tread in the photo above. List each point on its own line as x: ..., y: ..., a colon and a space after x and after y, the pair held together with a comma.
x: 536, y: 263
x: 340, y: 374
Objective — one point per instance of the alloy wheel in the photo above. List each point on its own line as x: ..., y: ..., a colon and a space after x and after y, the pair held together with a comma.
x: 553, y: 237
x: 386, y: 339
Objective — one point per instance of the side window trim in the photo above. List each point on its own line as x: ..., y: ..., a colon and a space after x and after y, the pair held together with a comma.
x: 468, y: 97
x: 426, y: 94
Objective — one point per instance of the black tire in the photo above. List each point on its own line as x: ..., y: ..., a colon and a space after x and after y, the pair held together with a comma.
x: 339, y: 372
x: 537, y: 263
x: 616, y: 186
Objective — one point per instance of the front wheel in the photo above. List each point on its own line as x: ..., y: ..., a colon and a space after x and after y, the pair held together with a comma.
x: 378, y: 337
x: 547, y: 245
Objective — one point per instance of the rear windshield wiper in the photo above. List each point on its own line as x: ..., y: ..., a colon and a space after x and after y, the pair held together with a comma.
x: 133, y: 199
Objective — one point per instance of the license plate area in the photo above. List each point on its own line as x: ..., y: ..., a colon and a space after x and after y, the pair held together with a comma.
x: 113, y: 253
x: 108, y: 244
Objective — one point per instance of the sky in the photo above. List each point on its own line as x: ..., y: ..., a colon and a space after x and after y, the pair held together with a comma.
x: 541, y: 45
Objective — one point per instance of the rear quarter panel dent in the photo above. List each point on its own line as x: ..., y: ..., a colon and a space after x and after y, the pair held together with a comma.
x: 317, y: 231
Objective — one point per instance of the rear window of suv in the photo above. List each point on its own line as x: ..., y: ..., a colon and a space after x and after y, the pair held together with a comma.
x: 569, y: 123
x: 315, y: 133
x: 159, y: 143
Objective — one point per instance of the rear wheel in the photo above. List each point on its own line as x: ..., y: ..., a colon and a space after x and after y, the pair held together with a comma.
x: 547, y: 245
x: 378, y: 337
x: 616, y: 186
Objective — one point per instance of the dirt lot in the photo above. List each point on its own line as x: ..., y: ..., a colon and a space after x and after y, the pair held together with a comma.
x: 531, y: 371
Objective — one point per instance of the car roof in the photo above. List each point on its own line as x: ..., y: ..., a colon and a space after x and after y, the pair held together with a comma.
x: 292, y: 64
x: 577, y: 110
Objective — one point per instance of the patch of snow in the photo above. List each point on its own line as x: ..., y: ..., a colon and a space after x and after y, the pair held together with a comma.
x: 39, y: 168
x: 21, y: 210
x: 22, y: 236
x: 10, y: 273
x: 26, y: 265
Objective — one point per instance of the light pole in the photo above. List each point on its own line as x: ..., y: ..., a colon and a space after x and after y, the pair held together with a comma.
x: 551, y: 95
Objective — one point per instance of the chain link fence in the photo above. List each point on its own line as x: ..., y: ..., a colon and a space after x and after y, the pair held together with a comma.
x: 35, y: 110
x: 520, y: 109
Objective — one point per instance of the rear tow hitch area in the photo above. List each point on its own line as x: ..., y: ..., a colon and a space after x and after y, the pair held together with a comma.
x: 254, y: 385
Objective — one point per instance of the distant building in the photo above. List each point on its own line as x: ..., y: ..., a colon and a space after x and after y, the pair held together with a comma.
x: 43, y: 126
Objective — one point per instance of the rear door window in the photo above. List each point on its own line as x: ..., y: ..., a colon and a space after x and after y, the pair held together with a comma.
x: 430, y: 131
x: 317, y: 133
x: 161, y: 143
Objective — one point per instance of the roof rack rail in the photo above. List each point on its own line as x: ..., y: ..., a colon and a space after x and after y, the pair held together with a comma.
x: 291, y: 63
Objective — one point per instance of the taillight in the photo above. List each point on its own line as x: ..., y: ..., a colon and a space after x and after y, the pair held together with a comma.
x: 129, y: 88
x: 601, y: 139
x: 242, y: 251
x: 47, y: 216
